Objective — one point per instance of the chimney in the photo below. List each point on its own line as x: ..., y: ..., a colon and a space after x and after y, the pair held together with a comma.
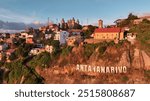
x: 100, y: 23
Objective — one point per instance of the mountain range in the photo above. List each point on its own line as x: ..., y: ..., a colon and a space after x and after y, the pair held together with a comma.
x: 17, y: 26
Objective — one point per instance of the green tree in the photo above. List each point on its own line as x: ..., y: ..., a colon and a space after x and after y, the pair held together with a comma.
x: 129, y: 21
x: 89, y: 31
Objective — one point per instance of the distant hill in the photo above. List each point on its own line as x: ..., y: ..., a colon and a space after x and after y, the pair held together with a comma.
x: 17, y: 25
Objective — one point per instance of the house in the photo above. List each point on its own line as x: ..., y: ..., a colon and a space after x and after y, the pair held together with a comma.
x: 9, y: 53
x: 9, y: 41
x: 57, y: 36
x: 29, y: 39
x: 109, y: 33
x: 48, y: 36
x: 49, y: 48
x: 23, y: 35
x: 36, y: 51
x: 3, y: 46
x: 12, y: 36
x: 63, y: 36
x: 71, y: 40
x: 39, y: 45
x: 75, y: 31
x: 2, y: 54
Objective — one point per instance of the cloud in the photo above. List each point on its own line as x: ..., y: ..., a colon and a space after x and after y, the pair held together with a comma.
x: 9, y: 15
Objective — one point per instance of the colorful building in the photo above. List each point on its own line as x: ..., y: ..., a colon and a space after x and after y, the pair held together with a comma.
x: 109, y: 33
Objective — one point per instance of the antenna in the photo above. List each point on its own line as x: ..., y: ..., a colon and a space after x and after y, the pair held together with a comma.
x: 87, y: 21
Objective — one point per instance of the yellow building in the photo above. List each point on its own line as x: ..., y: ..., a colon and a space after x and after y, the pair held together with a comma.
x: 109, y: 34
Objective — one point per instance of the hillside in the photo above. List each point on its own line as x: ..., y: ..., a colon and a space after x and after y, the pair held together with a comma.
x: 125, y: 54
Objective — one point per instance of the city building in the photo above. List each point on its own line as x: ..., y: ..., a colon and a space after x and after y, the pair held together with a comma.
x: 23, y: 35
x: 36, y: 51
x: 49, y: 48
x: 63, y: 36
x: 74, y: 39
x: 109, y: 34
x: 29, y: 39
x: 75, y: 31
x: 2, y: 54
x: 3, y: 46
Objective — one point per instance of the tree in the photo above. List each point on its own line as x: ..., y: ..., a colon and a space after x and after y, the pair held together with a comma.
x: 132, y: 17
x: 42, y: 60
x: 12, y: 56
x: 89, y: 31
x: 142, y: 31
x: 129, y: 21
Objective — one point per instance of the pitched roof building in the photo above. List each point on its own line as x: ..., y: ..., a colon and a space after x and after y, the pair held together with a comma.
x: 109, y: 33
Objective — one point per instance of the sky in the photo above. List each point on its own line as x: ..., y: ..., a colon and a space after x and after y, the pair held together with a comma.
x: 87, y: 11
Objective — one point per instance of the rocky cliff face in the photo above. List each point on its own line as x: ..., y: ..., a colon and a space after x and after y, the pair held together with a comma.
x: 131, y: 56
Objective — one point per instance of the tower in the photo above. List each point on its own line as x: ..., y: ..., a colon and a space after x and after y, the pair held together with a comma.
x: 100, y: 23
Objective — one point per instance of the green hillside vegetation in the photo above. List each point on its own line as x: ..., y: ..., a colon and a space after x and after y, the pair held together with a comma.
x: 19, y: 73
x: 143, y: 34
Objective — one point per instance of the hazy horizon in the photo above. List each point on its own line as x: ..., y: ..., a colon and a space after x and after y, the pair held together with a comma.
x: 87, y: 11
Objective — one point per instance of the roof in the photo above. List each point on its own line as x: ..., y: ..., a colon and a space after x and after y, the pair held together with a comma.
x: 10, y: 50
x: 108, y: 30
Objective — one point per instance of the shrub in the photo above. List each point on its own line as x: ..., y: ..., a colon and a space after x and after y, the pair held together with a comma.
x: 42, y: 60
x: 66, y: 50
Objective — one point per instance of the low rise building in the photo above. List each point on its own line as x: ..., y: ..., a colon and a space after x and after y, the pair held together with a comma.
x: 36, y: 51
x: 2, y: 54
x: 3, y: 46
x: 48, y: 36
x: 109, y: 34
x: 49, y: 48
x: 23, y: 35
x: 74, y: 39
x: 29, y: 39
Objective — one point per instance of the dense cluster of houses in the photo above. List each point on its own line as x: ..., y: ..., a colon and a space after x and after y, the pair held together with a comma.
x: 69, y: 36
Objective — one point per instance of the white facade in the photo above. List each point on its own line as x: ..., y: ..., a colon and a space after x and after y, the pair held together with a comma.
x: 49, y: 48
x: 48, y: 36
x: 36, y: 51
x: 63, y: 37
x: 57, y: 36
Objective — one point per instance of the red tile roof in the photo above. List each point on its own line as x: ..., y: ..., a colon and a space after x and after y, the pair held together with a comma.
x: 108, y: 30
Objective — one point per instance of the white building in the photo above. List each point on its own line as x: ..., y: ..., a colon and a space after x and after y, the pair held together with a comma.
x: 48, y: 36
x: 57, y: 36
x: 63, y: 37
x: 49, y: 48
x: 36, y: 51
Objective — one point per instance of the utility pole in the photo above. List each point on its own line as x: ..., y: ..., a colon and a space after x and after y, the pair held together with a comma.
x: 87, y: 21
